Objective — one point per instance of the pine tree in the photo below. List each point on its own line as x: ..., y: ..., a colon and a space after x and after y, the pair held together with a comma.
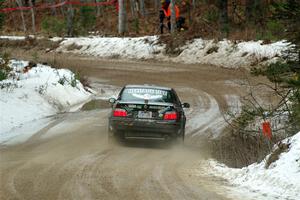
x: 223, y: 6
x: 286, y: 74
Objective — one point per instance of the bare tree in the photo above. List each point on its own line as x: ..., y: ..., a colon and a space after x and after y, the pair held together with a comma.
x: 122, y: 17
x: 19, y: 2
x: 62, y: 9
x: 133, y: 7
x: 223, y: 6
x: 156, y: 5
x: 194, y: 4
x: 173, y: 17
x: 70, y: 18
x: 32, y: 16
x: 53, y: 10
x: 248, y: 12
x: 142, y: 8
x: 99, y: 9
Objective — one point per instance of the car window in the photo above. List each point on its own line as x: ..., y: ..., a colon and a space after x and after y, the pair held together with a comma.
x: 150, y: 94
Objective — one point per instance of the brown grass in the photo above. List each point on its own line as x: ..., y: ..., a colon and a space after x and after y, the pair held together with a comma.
x: 213, y: 49
x: 73, y: 46
x: 281, y: 147
x: 84, y: 80
x: 240, y: 150
x: 30, y: 44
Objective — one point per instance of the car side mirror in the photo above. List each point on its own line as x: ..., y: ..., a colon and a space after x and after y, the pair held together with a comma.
x: 112, y: 100
x: 185, y: 105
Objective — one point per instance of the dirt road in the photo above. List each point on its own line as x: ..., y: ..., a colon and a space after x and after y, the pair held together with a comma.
x: 71, y: 158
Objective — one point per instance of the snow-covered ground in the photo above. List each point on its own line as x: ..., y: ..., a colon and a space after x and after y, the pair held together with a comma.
x: 223, y: 53
x: 27, y: 99
x: 205, y: 117
x: 281, y: 180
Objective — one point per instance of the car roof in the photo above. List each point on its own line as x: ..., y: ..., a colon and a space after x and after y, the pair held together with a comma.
x: 148, y: 86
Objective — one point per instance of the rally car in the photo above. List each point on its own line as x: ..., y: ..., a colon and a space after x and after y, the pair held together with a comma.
x: 147, y: 112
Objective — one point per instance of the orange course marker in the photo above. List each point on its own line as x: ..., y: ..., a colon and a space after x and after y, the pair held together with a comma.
x: 266, y: 128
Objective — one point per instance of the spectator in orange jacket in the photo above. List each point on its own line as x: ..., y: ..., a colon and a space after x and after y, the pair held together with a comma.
x: 166, y: 7
x: 166, y: 11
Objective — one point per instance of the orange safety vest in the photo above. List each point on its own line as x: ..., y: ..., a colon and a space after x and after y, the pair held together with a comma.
x: 168, y: 12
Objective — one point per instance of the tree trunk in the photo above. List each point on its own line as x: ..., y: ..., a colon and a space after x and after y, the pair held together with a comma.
x: 260, y: 11
x: 255, y: 11
x: 156, y: 5
x: 53, y: 10
x: 173, y: 17
x: 14, y: 22
x: 194, y: 4
x: 19, y: 2
x: 223, y: 5
x: 189, y: 11
x: 70, y: 18
x: 133, y: 8
x: 98, y: 10
x: 32, y: 16
x: 248, y: 10
x: 122, y: 17
x: 142, y: 8
x: 62, y: 9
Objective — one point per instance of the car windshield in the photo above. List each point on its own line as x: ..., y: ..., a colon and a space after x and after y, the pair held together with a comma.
x: 150, y: 94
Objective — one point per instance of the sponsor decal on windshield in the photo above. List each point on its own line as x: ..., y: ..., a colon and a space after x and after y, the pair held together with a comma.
x: 143, y: 91
x: 147, y: 94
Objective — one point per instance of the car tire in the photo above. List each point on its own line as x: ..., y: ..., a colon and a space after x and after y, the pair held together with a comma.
x: 110, y: 135
x: 180, y: 138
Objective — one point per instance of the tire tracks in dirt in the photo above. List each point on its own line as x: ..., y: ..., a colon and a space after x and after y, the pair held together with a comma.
x: 71, y: 159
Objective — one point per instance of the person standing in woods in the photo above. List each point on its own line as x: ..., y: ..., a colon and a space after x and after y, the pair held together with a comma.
x: 185, y: 13
x: 166, y: 13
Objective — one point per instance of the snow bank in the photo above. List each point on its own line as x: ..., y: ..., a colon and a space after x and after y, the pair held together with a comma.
x: 30, y: 96
x: 113, y: 47
x: 224, y: 53
x: 280, y: 181
x: 204, y: 117
x: 198, y: 51
x: 228, y: 54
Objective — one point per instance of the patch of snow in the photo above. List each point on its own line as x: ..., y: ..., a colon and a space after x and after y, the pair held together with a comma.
x: 71, y: 124
x: 13, y: 37
x: 23, y: 132
x: 204, y: 117
x: 280, y: 181
x: 56, y: 39
x: 113, y: 47
x: 228, y: 54
x: 36, y: 94
x: 223, y: 53
x: 234, y: 104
